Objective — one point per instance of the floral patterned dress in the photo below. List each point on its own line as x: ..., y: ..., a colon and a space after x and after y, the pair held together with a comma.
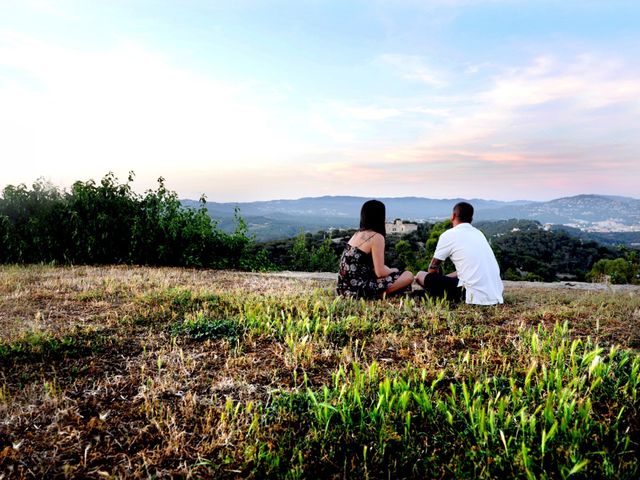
x: 357, y: 277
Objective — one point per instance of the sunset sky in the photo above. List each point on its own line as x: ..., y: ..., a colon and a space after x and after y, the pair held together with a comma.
x: 253, y: 100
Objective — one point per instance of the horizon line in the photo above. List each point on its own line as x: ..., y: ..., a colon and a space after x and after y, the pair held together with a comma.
x: 411, y: 197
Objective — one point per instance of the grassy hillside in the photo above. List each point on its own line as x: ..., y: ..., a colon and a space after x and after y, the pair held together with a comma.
x: 139, y: 372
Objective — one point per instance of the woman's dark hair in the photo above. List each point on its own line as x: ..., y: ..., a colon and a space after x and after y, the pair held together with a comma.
x: 372, y: 216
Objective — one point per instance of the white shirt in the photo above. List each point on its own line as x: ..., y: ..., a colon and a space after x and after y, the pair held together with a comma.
x: 477, y: 268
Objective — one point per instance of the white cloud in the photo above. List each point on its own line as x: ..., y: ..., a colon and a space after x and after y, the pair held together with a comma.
x: 551, y: 127
x: 49, y: 7
x: 551, y: 124
x: 413, y: 67
x: 587, y: 82
x: 371, y: 112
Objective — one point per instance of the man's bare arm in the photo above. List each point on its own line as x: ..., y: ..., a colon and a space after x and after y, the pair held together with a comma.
x: 434, y: 267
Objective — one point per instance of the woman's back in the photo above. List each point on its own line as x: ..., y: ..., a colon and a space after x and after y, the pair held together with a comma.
x: 362, y: 240
x: 363, y: 272
x: 356, y: 277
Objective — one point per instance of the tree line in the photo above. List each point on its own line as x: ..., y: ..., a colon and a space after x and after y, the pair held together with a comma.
x: 106, y: 222
x: 524, y: 250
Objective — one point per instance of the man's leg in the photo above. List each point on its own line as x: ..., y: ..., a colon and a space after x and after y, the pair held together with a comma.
x: 439, y: 286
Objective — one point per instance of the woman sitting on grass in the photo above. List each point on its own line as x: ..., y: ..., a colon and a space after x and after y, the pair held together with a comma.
x: 363, y: 273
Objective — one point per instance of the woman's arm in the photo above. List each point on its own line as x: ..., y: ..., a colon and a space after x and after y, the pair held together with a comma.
x: 377, y: 252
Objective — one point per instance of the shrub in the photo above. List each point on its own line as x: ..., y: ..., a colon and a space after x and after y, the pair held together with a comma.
x: 108, y: 223
x: 617, y: 271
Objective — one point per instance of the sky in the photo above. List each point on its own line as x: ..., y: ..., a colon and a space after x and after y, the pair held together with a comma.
x: 249, y: 100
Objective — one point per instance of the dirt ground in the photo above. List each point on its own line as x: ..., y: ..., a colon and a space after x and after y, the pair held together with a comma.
x: 594, y: 287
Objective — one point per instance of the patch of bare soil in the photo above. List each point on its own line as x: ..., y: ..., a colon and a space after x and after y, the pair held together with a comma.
x: 564, y: 285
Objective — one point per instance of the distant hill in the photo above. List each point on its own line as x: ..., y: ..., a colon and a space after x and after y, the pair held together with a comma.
x: 631, y: 239
x: 602, y: 213
x: 275, y: 219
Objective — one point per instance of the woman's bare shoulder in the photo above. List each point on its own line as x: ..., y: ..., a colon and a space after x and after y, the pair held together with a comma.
x: 373, y: 237
x: 365, y: 237
x: 377, y: 238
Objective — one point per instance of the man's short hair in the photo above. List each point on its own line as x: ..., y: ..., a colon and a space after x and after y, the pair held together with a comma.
x: 464, y: 212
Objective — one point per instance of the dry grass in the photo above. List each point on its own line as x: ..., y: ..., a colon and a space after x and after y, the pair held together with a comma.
x: 137, y: 372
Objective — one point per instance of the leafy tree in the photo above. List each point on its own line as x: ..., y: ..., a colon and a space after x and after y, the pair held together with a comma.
x: 257, y: 260
x: 430, y: 247
x: 300, y: 254
x: 100, y: 223
x: 323, y: 258
x: 33, y: 222
x: 540, y: 254
x: 618, y: 271
x: 406, y: 255
x: 106, y: 222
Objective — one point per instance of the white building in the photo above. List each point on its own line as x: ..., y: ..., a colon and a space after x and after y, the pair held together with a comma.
x: 400, y: 228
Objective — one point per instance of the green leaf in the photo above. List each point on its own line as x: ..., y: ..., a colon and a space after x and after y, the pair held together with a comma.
x: 578, y: 467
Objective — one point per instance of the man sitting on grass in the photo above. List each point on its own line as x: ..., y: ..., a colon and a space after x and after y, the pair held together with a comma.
x: 477, y: 272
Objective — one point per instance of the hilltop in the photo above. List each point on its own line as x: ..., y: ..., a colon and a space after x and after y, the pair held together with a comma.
x: 169, y: 372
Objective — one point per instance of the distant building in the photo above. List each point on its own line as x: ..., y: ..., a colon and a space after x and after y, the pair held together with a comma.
x: 400, y: 228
